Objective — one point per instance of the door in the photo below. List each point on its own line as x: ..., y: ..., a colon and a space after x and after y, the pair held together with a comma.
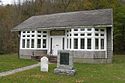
x: 57, y: 44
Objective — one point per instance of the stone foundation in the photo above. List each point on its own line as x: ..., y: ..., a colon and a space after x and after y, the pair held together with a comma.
x: 63, y: 70
x: 95, y: 57
x: 27, y: 53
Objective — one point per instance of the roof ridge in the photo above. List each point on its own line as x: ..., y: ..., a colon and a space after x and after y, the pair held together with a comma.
x: 72, y: 12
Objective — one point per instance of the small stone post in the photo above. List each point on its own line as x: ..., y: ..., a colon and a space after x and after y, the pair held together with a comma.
x: 44, y: 64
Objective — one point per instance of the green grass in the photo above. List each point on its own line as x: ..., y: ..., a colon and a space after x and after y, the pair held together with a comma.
x: 85, y: 73
x: 11, y: 61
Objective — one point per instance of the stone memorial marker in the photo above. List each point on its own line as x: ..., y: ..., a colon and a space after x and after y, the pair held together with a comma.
x: 64, y: 58
x: 65, y: 63
x: 44, y: 64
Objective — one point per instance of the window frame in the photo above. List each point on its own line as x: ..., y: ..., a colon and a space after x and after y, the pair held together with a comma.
x: 92, y: 31
x: 33, y: 36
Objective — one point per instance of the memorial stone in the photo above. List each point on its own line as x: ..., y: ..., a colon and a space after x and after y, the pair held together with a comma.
x: 64, y: 58
x: 65, y: 63
x: 44, y: 64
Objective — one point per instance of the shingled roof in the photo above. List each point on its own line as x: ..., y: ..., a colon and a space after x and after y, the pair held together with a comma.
x: 78, y: 18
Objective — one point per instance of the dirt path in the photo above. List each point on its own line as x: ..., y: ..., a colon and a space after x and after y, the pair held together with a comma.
x: 18, y: 70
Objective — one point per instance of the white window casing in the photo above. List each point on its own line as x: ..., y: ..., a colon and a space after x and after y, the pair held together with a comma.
x: 70, y: 34
x: 35, y: 35
x: 87, y: 33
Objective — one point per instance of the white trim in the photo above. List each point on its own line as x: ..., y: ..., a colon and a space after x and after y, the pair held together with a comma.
x: 35, y: 39
x: 35, y: 45
x: 61, y: 37
x: 92, y: 37
x: 106, y: 56
x: 70, y: 31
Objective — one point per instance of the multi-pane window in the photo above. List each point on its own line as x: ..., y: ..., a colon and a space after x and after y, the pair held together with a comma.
x: 89, y: 34
x: 76, y: 34
x: 34, y: 39
x: 102, y: 30
x: 70, y: 43
x: 96, y: 34
x: 67, y: 43
x: 82, y: 46
x: 28, y: 31
x: 75, y: 29
x: 44, y: 43
x: 86, y: 38
x: 102, y: 43
x: 44, y: 31
x: 96, y: 43
x: 32, y: 43
x: 88, y: 43
x: 44, y: 35
x: 96, y: 29
x: 23, y: 43
x: 82, y: 29
x: 38, y: 31
x: 27, y: 39
x: 89, y: 29
x: 38, y: 35
x: 82, y: 34
x: 28, y: 43
x: 33, y: 35
x: 68, y: 40
x: 38, y: 43
x: 42, y: 39
x: 78, y: 38
x: 33, y: 31
x: 75, y: 43
x: 28, y: 35
x: 102, y: 34
x: 63, y: 43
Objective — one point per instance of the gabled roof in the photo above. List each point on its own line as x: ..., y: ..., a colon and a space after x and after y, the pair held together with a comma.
x: 78, y: 18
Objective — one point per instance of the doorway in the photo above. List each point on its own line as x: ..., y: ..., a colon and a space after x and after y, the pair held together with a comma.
x: 57, y: 43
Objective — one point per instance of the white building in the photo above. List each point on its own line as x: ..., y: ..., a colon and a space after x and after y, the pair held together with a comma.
x: 86, y: 33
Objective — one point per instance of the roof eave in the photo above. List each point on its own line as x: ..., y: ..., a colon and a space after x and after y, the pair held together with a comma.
x: 61, y: 27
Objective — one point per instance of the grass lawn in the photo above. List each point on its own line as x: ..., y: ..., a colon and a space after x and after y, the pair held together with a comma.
x: 86, y: 73
x: 11, y: 61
